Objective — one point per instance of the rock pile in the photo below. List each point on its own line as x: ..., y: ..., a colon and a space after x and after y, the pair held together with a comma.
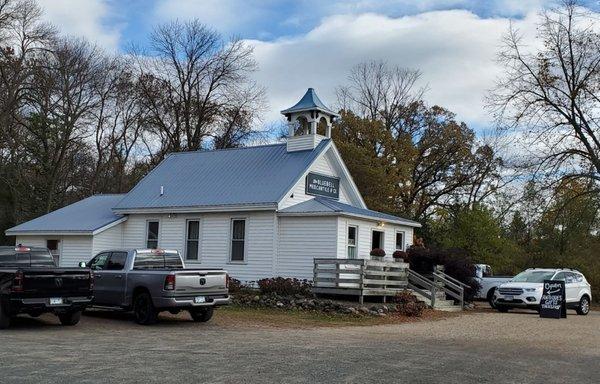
x: 299, y: 302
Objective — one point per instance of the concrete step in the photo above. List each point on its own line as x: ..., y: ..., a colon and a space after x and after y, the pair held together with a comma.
x: 441, y: 304
x: 451, y: 308
x: 444, y: 303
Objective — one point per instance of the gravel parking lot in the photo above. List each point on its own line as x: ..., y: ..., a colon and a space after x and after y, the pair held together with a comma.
x: 475, y: 347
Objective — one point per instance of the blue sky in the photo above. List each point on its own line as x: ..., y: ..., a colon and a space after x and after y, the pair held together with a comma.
x: 312, y: 43
x: 271, y: 19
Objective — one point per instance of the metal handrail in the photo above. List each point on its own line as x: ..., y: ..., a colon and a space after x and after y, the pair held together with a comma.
x: 447, y: 281
x: 426, y: 283
x: 452, y: 279
x: 460, y: 295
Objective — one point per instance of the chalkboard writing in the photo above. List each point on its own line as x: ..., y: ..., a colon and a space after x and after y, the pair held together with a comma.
x: 553, y: 303
x: 322, y: 185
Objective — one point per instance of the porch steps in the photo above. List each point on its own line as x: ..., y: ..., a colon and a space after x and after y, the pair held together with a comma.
x: 441, y: 304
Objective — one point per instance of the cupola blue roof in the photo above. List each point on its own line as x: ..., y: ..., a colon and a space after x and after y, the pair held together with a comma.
x: 309, y: 102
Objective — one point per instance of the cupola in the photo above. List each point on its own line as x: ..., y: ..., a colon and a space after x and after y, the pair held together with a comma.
x: 309, y: 122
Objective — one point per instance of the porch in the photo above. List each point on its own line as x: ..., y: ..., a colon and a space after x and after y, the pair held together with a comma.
x: 362, y: 277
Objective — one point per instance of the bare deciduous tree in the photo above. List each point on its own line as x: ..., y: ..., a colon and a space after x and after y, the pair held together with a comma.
x: 380, y: 92
x: 192, y: 83
x: 426, y: 158
x: 549, y: 98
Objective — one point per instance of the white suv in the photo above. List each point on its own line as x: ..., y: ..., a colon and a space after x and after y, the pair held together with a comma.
x: 525, y: 290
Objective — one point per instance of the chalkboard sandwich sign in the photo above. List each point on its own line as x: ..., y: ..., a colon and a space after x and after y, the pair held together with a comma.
x: 553, y: 303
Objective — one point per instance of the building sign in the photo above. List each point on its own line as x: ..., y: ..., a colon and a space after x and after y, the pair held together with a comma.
x: 321, y: 185
x: 553, y: 303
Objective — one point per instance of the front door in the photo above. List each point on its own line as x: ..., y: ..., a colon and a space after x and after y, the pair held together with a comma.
x: 114, y: 279
x: 98, y: 264
x: 377, y: 239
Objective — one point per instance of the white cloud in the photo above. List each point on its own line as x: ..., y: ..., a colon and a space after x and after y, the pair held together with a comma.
x: 455, y: 50
x: 227, y: 16
x: 84, y: 19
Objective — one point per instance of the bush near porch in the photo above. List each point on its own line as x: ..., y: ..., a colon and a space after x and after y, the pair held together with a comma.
x: 293, y: 294
x: 457, y: 263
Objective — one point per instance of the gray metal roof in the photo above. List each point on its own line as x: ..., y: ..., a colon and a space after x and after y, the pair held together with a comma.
x: 85, y: 216
x: 258, y: 175
x: 310, y: 101
x: 320, y: 205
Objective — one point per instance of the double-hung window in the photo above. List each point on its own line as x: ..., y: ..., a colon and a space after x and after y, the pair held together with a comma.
x: 352, y: 236
x: 192, y: 241
x: 152, y: 234
x: 238, y: 240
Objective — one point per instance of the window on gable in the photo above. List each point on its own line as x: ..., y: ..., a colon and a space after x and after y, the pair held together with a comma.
x: 192, y: 244
x: 238, y: 239
x: 152, y: 235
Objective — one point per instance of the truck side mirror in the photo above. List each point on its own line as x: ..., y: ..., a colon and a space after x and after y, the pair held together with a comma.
x: 82, y: 264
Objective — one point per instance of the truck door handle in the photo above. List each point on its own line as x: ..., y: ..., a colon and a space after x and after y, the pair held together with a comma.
x: 118, y: 276
x: 97, y: 276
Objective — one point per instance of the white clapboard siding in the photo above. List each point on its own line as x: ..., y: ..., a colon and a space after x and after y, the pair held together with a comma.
x: 73, y: 249
x: 259, y: 246
x: 303, y: 143
x: 214, y: 240
x: 323, y: 165
x: 31, y: 241
x: 365, y: 228
x: 110, y: 238
x: 301, y: 240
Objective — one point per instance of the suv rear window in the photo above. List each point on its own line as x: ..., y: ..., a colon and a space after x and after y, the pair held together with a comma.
x: 157, y: 261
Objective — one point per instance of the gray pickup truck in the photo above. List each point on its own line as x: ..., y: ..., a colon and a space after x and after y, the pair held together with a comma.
x: 148, y: 281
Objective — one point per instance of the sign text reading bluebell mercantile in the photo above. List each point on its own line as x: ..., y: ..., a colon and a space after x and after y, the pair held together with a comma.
x: 322, y: 185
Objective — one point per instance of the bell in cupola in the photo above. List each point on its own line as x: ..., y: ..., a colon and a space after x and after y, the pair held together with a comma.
x: 309, y: 122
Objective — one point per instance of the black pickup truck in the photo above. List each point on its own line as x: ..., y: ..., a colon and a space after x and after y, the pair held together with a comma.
x: 31, y: 283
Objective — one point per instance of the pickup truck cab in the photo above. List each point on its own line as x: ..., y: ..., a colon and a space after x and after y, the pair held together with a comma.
x: 488, y: 282
x: 30, y: 283
x: 149, y: 281
x: 525, y: 290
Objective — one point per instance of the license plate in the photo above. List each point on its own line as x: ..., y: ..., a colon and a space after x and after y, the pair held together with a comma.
x: 56, y: 301
x: 509, y: 298
x: 199, y: 299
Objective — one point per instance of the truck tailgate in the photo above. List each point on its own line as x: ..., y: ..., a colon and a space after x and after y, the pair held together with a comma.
x: 200, y: 281
x: 57, y: 282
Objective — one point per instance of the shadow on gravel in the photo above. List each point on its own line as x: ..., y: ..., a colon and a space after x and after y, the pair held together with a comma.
x: 26, y: 322
x: 127, y: 317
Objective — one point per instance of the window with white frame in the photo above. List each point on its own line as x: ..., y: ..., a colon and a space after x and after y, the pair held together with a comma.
x: 192, y: 240
x: 400, y: 246
x: 238, y: 240
x: 352, y: 241
x: 152, y: 234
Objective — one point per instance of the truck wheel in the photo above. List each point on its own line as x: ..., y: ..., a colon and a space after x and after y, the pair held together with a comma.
x: 490, y: 298
x: 70, y: 318
x: 583, y: 308
x: 4, y: 318
x: 202, y: 315
x: 143, y: 309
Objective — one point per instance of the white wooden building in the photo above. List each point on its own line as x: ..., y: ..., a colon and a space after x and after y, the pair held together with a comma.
x: 258, y: 212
